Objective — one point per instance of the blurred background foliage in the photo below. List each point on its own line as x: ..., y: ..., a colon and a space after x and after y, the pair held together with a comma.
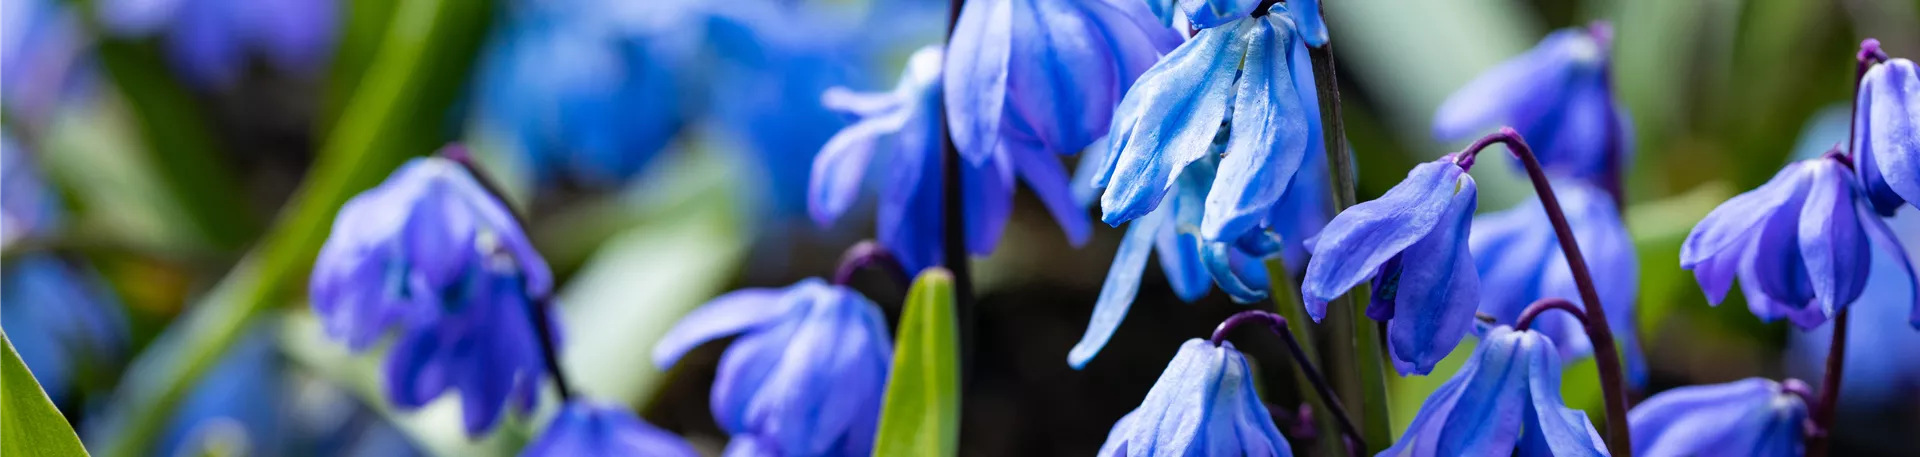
x: 190, y: 211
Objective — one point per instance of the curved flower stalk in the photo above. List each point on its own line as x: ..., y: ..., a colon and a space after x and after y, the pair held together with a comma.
x: 911, y: 205
x: 432, y: 253
x: 1800, y: 244
x: 1505, y: 398
x: 804, y: 377
x: 1047, y: 72
x: 1887, y: 118
x: 1750, y: 417
x: 208, y: 40
x: 1559, y: 96
x: 589, y: 429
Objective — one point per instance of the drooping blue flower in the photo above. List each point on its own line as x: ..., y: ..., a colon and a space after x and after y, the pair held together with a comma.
x: 63, y: 320
x: 1749, y: 417
x: 1874, y: 382
x: 28, y: 208
x: 1412, y: 244
x: 208, y: 41
x: 1887, y: 120
x: 804, y: 377
x: 1506, y: 397
x: 432, y: 253
x: 1046, y: 72
x: 240, y: 408
x: 1519, y: 260
x: 583, y: 429
x: 1800, y: 244
x: 42, y: 58
x: 1203, y: 404
x: 911, y: 215
x: 1202, y: 14
x: 1559, y: 96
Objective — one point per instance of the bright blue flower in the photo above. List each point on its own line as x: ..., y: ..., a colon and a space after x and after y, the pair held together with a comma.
x: 41, y: 56
x: 28, y: 208
x: 1874, y: 381
x: 1204, y: 14
x: 911, y: 204
x: 805, y: 375
x: 1519, y: 261
x: 241, y: 407
x: 63, y: 320
x: 1506, y: 396
x: 583, y: 429
x: 431, y: 252
x: 1046, y: 72
x: 1749, y: 417
x: 1800, y: 244
x: 1203, y: 404
x: 1887, y: 120
x: 1412, y: 242
x: 208, y: 40
x: 1558, y: 96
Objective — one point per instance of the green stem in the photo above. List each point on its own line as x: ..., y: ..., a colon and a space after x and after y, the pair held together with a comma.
x: 423, y: 60
x: 1286, y: 301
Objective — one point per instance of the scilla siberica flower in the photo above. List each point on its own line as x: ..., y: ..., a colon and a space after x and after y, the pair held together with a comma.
x: 1559, y: 97
x: 911, y: 204
x: 41, y: 57
x: 1519, y: 261
x: 1412, y: 244
x: 1885, y: 134
x: 1045, y: 74
x: 583, y: 429
x: 1506, y: 397
x: 1749, y: 417
x: 432, y: 253
x: 208, y: 40
x: 804, y: 377
x: 1203, y: 404
x: 1800, y: 244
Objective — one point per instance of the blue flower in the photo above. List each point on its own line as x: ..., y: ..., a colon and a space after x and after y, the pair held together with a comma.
x: 1204, y: 14
x: 1749, y: 417
x: 1874, y: 382
x: 1048, y: 72
x: 1203, y: 404
x: 911, y: 205
x: 1506, y: 396
x: 1558, y: 96
x: 431, y: 252
x: 804, y: 377
x: 28, y: 208
x: 63, y: 320
x: 1412, y: 242
x: 1799, y: 244
x: 240, y: 407
x: 585, y: 429
x: 208, y: 40
x: 1887, y: 120
x: 1519, y: 260
x: 41, y: 57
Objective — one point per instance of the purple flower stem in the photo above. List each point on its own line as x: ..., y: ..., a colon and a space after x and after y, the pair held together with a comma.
x: 536, y: 306
x: 1278, y: 325
x: 1818, y: 441
x: 1598, y: 331
x: 1547, y: 304
x: 865, y: 254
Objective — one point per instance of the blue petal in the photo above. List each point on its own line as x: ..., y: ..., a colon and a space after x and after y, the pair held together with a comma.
x: 975, y: 76
x: 1070, y: 62
x: 1486, y: 419
x: 1735, y: 220
x: 1552, y: 428
x: 841, y: 166
x: 1180, y: 258
x: 1270, y: 133
x: 1169, y: 118
x: 1219, y: 260
x: 1884, y: 200
x: 726, y: 315
x: 584, y: 429
x: 1836, y: 251
x: 910, y: 214
x: 1770, y: 309
x: 1510, y: 250
x: 1307, y: 21
x: 1436, y: 290
x: 988, y: 191
x: 1709, y: 419
x: 1778, y: 265
x: 1117, y: 293
x: 1211, y: 13
x: 745, y: 367
x: 1357, y: 241
x: 1516, y: 91
x: 1890, y: 244
x: 1424, y: 432
x: 1890, y: 97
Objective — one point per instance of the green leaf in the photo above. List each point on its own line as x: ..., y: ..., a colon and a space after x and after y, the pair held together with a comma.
x: 29, y: 424
x: 921, y: 415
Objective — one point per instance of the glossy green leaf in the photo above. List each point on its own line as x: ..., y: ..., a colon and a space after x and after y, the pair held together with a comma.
x: 921, y: 415
x: 29, y: 424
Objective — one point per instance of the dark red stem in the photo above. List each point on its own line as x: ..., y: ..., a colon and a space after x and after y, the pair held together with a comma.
x: 1545, y: 304
x: 1278, y: 325
x: 865, y: 254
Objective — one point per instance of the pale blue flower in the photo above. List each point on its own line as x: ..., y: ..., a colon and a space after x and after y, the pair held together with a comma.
x: 1887, y: 119
x: 1751, y: 417
x: 1203, y: 404
x: 1559, y: 96
x: 1505, y: 398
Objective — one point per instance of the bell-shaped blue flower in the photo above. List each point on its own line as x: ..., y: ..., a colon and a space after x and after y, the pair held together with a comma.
x: 28, y: 208
x: 1519, y: 261
x: 208, y: 41
x: 1887, y: 119
x: 63, y: 320
x: 1412, y: 243
x: 1505, y: 398
x: 1048, y: 72
x: 1203, y: 404
x: 432, y: 253
x: 1749, y: 417
x: 804, y: 377
x: 587, y: 429
x: 1802, y: 240
x: 43, y: 57
x: 911, y: 215
x: 1558, y: 96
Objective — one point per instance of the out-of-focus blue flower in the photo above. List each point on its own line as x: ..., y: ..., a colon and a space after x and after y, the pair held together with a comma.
x: 1506, y: 397
x: 1203, y: 404
x: 208, y: 40
x: 41, y: 58
x: 432, y: 252
x: 1519, y: 261
x: 911, y: 205
x: 1558, y: 96
x: 1412, y: 242
x: 583, y: 429
x: 1749, y: 417
x: 28, y: 207
x: 1886, y: 123
x: 805, y: 375
x: 1800, y: 244
x: 1877, y: 327
x: 1046, y: 72
x: 62, y: 319
x: 239, y: 408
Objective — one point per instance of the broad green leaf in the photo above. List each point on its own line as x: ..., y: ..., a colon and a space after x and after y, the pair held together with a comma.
x: 29, y: 424
x: 921, y: 414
